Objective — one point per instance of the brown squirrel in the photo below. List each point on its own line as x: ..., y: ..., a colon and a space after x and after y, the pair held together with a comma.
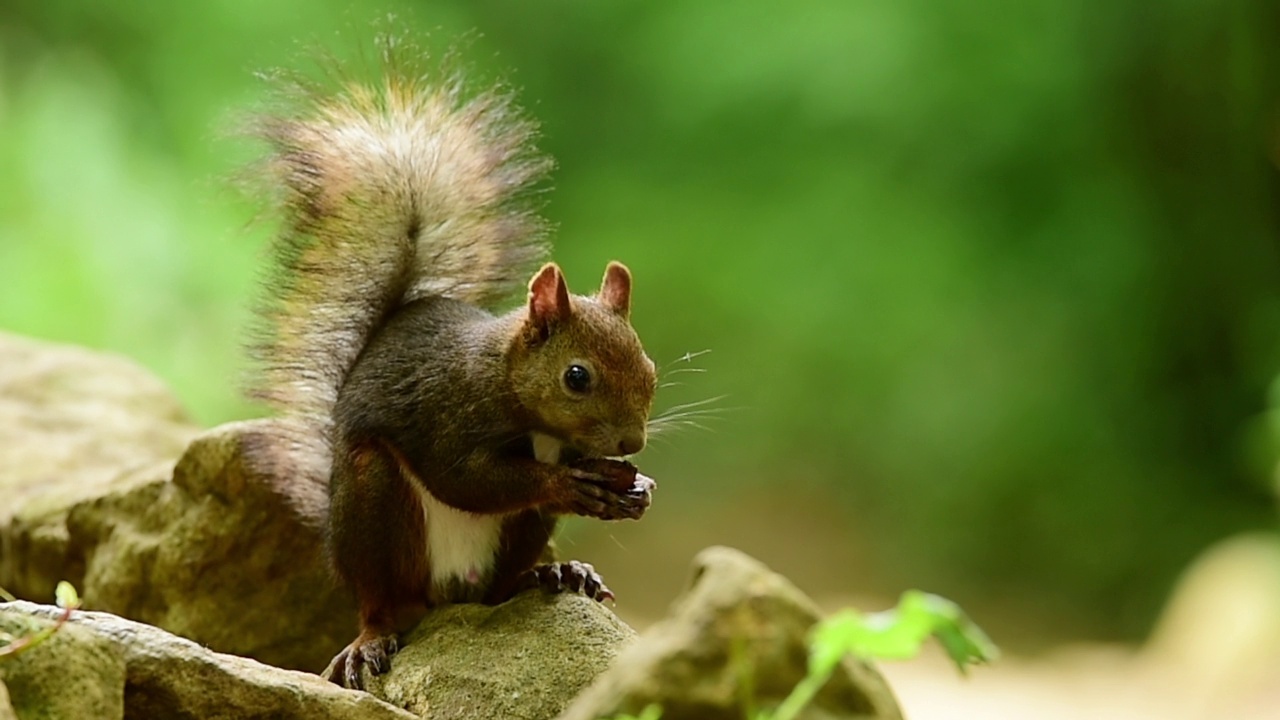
x: 452, y: 438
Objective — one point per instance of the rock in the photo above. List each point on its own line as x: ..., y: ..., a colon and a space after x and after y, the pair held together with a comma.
x: 77, y: 673
x: 215, y: 548
x: 104, y: 667
x: 74, y: 425
x: 523, y: 660
x: 217, y: 554
x: 738, y: 626
x: 1218, y: 639
x: 6, y: 709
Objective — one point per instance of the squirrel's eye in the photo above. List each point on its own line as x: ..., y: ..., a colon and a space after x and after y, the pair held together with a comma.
x: 577, y: 379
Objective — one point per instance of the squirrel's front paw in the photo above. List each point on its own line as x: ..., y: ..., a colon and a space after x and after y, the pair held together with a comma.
x: 572, y: 576
x: 608, y: 490
x: 373, y: 650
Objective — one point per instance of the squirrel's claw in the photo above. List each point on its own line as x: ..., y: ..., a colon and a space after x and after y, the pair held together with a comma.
x: 642, y: 492
x: 377, y: 653
x: 344, y: 670
x: 374, y: 651
x: 571, y: 576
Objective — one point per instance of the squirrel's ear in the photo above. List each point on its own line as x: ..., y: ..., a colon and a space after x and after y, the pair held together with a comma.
x: 615, y: 289
x: 548, y: 301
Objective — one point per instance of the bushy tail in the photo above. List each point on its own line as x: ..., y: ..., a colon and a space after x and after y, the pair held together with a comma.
x: 389, y: 193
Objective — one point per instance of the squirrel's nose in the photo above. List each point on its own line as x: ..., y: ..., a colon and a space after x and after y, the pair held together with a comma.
x: 631, y: 443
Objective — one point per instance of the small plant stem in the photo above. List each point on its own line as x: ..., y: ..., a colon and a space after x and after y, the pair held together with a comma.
x: 31, y: 641
x: 801, y: 695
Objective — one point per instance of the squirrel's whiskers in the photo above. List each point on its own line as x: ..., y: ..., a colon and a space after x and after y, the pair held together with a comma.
x: 688, y: 415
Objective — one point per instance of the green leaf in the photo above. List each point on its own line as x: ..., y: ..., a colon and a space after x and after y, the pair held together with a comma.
x: 66, y: 595
x: 899, y: 633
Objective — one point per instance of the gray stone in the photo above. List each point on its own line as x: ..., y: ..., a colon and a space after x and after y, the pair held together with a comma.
x: 217, y: 554
x: 74, y: 425
x: 523, y: 660
x: 222, y: 547
x: 739, y: 630
x: 6, y: 709
x: 104, y: 667
x: 76, y: 673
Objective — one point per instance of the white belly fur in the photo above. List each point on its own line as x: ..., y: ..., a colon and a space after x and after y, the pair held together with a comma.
x: 460, y: 545
x: 463, y: 545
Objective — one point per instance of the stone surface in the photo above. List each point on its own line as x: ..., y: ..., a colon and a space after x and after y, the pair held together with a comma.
x: 74, y: 424
x: 6, y: 709
x: 104, y: 667
x: 211, y: 551
x: 215, y: 548
x: 218, y: 555
x: 77, y: 673
x: 523, y: 660
x: 739, y: 629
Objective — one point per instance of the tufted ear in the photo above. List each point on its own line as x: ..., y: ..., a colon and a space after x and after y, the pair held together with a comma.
x: 548, y: 301
x: 615, y: 289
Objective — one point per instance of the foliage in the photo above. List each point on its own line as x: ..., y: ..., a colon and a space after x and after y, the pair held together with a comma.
x: 898, y: 634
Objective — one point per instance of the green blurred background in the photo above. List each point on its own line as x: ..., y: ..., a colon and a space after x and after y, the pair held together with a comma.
x: 991, y: 289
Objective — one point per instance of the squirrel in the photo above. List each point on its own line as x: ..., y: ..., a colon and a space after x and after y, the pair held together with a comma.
x: 452, y: 438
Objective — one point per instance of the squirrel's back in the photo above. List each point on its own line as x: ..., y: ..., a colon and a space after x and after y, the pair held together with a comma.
x: 388, y: 193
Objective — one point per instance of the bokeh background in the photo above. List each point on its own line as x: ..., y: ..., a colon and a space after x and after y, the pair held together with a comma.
x: 990, y: 289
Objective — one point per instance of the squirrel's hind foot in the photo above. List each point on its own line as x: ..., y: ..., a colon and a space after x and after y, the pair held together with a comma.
x: 367, y: 649
x: 572, y: 576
